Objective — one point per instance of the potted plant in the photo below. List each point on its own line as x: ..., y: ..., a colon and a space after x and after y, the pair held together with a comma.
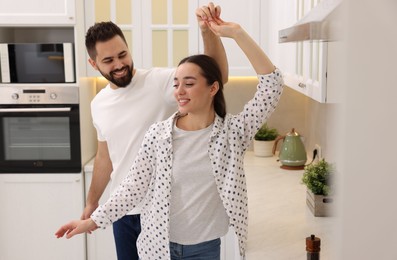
x: 317, y: 178
x: 264, y: 141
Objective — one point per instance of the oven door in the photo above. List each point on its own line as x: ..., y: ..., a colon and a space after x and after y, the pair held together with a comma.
x: 40, y: 139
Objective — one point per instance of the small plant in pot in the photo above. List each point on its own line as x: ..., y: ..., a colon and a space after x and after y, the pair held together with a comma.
x: 317, y: 178
x: 264, y: 141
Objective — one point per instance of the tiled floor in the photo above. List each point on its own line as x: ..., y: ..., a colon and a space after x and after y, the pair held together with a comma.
x: 279, y: 220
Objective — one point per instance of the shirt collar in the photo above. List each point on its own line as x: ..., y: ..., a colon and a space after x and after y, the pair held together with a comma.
x: 168, y: 124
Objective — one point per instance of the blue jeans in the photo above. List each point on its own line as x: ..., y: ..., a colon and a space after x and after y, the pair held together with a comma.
x: 126, y: 231
x: 209, y: 250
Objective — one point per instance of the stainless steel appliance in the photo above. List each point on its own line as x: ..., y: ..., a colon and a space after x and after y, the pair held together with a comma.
x: 41, y: 179
x: 39, y: 130
x: 320, y: 24
x: 37, y: 63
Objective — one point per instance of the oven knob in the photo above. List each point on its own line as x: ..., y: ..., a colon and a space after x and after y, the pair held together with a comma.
x: 15, y: 96
x: 53, y: 96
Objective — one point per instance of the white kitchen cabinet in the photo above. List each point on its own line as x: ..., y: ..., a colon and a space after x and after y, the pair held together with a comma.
x: 37, y: 12
x: 100, y: 244
x: 248, y: 15
x: 33, y: 207
x: 310, y: 72
x: 281, y: 14
x: 310, y: 78
x: 304, y: 64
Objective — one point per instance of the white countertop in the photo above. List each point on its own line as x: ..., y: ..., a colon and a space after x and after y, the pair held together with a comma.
x: 279, y: 220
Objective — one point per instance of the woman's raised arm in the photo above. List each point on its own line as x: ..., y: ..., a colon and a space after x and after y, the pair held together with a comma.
x: 259, y: 60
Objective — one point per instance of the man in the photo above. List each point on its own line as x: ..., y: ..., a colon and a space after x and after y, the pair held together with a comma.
x: 126, y: 107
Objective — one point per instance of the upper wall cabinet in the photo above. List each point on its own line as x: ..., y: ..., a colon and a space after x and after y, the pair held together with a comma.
x: 37, y: 12
x: 249, y: 15
x: 303, y: 63
x: 161, y: 32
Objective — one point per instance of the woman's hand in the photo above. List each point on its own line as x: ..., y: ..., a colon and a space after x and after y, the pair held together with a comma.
x: 76, y: 227
x: 88, y: 210
x: 225, y: 29
x: 205, y: 14
x: 257, y: 57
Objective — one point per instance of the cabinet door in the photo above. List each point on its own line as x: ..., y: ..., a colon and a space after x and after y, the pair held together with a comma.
x: 248, y: 15
x: 100, y: 244
x: 37, y: 12
x: 303, y: 63
x: 33, y: 207
x: 281, y: 14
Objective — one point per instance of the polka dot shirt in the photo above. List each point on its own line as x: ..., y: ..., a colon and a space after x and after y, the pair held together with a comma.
x: 149, y: 179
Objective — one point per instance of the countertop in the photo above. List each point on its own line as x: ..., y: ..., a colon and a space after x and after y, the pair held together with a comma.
x: 279, y: 219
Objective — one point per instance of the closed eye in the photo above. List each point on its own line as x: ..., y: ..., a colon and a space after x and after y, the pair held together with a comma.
x: 107, y: 61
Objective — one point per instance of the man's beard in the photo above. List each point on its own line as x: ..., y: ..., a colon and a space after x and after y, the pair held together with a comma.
x: 123, y: 81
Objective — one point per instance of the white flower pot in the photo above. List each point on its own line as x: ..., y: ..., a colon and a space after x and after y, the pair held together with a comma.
x: 263, y: 148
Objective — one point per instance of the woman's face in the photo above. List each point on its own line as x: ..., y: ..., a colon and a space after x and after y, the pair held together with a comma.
x: 191, y: 90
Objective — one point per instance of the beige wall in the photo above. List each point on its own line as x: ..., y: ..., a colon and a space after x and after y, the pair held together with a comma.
x: 88, y: 138
x: 318, y: 123
x: 291, y: 112
x: 309, y: 118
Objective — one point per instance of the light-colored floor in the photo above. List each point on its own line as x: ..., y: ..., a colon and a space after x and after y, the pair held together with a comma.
x: 279, y: 220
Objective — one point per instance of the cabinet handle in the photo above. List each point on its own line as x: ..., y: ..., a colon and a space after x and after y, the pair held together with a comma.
x: 39, y: 109
x: 302, y: 85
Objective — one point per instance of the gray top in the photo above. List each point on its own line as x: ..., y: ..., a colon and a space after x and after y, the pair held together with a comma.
x: 196, y: 211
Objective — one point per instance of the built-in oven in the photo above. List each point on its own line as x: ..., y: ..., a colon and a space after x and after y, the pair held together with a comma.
x: 40, y: 130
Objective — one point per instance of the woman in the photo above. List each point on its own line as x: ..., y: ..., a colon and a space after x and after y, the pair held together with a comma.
x: 189, y: 171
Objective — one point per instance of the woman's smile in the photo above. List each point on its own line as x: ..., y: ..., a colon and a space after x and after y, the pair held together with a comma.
x: 183, y: 101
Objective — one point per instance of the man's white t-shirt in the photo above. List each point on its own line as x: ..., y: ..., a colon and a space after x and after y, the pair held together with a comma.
x: 122, y: 116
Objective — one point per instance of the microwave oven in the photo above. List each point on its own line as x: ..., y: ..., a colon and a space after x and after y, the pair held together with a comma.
x: 37, y: 63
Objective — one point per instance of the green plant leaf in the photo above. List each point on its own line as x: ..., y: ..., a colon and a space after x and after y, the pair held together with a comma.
x: 317, y: 177
x: 265, y: 133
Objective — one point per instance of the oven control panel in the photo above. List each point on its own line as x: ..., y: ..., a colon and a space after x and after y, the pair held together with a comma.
x: 42, y: 95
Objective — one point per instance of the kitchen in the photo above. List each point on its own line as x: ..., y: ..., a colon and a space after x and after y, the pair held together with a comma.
x: 341, y: 126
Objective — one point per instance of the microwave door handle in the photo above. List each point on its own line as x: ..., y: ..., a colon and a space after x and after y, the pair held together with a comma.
x: 43, y: 109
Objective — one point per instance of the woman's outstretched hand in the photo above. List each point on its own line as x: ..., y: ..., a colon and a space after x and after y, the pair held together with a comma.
x: 76, y: 227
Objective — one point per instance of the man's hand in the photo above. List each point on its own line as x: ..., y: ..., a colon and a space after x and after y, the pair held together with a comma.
x: 205, y: 14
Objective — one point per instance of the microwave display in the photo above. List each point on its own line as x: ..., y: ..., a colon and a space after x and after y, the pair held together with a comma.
x: 37, y: 63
